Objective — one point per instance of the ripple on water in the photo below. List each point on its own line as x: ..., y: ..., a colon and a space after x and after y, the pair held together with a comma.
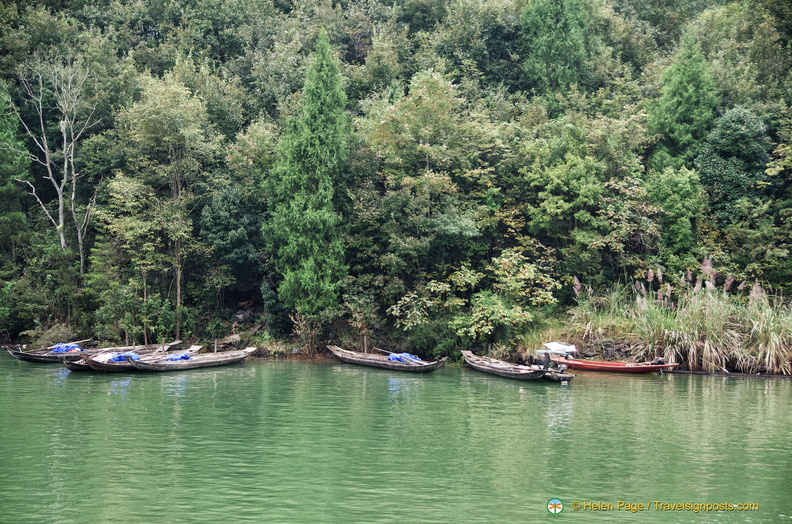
x: 313, y: 442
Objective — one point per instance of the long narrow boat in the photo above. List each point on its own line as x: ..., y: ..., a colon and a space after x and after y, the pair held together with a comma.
x: 503, y: 368
x: 77, y: 360
x: 75, y: 363
x: 612, y: 365
x: 191, y: 361
x: 108, y: 361
x: 407, y: 363
x: 48, y: 355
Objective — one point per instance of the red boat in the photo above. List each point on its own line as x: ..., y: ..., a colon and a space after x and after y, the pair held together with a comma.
x: 612, y: 365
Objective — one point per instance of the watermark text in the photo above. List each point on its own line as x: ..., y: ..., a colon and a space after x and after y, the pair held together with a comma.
x: 660, y: 505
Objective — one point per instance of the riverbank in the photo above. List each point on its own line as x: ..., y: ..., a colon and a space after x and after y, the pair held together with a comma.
x: 694, y: 322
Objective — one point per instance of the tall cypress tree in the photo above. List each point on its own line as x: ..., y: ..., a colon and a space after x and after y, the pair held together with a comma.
x: 303, y: 230
x: 684, y: 114
x: 558, y: 41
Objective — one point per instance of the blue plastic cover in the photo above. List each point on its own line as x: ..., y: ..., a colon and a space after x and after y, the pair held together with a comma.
x: 66, y: 348
x: 119, y: 357
x: 180, y: 356
x: 403, y: 357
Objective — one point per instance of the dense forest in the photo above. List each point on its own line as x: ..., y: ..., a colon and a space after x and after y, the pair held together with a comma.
x: 426, y: 174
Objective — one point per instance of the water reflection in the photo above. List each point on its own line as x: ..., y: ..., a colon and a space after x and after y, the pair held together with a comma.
x: 313, y: 442
x: 558, y: 416
x: 120, y: 386
x: 176, y: 385
x: 399, y: 387
x: 59, y: 373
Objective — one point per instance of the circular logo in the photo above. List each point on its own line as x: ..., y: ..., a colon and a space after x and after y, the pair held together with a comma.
x: 555, y: 506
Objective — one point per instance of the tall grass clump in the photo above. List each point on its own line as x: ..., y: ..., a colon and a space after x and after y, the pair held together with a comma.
x: 768, y: 337
x: 703, y: 325
x: 602, y: 316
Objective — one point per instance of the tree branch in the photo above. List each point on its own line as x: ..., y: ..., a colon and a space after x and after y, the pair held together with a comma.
x: 35, y: 195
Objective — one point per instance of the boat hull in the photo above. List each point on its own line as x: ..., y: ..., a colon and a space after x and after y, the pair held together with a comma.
x: 38, y: 356
x: 612, y: 366
x: 202, y: 360
x: 76, y: 363
x: 380, y: 361
x: 45, y: 355
x: 502, y: 368
x: 101, y: 362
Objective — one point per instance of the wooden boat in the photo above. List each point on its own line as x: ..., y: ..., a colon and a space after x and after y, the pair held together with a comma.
x: 105, y: 361
x: 612, y: 365
x: 77, y: 360
x: 382, y: 361
x: 199, y: 360
x: 43, y: 355
x: 503, y: 368
x: 76, y: 363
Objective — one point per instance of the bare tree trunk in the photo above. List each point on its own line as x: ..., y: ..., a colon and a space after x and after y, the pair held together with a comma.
x: 66, y: 83
x: 145, y: 299
x: 178, y: 271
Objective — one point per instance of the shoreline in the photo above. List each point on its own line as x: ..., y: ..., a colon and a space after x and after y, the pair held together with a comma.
x: 770, y: 376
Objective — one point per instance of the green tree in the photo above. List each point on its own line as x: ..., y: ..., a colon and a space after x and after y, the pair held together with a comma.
x: 683, y: 115
x: 230, y: 226
x: 171, y: 145
x: 678, y: 194
x: 733, y: 162
x: 128, y: 258
x: 558, y: 40
x: 304, y: 229
x: 481, y: 306
x: 13, y: 165
x: 558, y: 189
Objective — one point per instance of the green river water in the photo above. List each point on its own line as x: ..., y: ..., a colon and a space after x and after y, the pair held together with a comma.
x: 325, y: 442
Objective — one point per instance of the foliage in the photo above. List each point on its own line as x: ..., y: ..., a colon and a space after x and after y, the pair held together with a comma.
x: 732, y: 163
x: 562, y: 189
x: 303, y: 229
x: 499, y: 149
x: 632, y: 223
x: 558, y: 42
x: 231, y: 229
x: 678, y: 194
x: 684, y: 113
x: 13, y: 165
x: 517, y: 287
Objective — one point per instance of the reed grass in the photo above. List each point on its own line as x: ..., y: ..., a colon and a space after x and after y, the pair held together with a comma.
x: 702, y: 326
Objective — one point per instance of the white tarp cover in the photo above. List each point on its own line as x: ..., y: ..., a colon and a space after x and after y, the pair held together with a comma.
x: 558, y: 347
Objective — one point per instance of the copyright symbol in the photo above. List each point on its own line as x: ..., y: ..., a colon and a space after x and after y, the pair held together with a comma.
x: 575, y: 506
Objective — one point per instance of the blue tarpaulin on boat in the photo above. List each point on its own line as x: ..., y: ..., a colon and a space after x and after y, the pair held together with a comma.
x: 180, y: 356
x: 403, y: 357
x: 65, y: 348
x: 119, y: 357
